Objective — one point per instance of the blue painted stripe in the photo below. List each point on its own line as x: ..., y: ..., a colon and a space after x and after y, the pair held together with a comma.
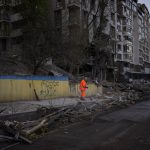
x: 62, y: 78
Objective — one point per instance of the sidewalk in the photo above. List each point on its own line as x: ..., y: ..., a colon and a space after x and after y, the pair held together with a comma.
x: 30, y: 106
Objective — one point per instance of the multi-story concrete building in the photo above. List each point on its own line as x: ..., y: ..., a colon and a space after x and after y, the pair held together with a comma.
x: 128, y: 29
x: 10, y: 27
x: 4, y: 26
x: 132, y: 51
x: 77, y: 20
x: 124, y: 44
x: 141, y: 41
x: 74, y: 17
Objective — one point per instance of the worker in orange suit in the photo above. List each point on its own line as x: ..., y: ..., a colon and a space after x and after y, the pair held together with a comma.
x: 83, y: 87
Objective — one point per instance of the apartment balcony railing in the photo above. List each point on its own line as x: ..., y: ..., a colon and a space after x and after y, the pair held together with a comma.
x: 16, y: 3
x: 128, y: 42
x: 16, y: 17
x: 127, y: 33
x: 5, y: 3
x: 16, y: 33
x: 125, y: 23
x: 74, y: 3
x: 4, y: 34
x: 127, y: 60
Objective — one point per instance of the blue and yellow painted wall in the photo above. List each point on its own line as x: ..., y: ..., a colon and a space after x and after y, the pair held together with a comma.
x: 17, y: 88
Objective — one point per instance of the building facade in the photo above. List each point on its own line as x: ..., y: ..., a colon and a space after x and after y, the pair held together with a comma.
x: 132, y: 46
x: 74, y: 17
x: 78, y: 20
x: 10, y: 27
x: 128, y: 29
x: 141, y: 40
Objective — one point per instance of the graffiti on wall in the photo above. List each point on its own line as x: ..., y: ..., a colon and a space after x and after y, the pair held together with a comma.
x: 48, y: 88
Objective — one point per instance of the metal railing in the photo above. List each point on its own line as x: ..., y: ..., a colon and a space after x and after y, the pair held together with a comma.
x: 77, y: 2
x: 4, y: 33
x: 4, y: 2
x: 74, y: 21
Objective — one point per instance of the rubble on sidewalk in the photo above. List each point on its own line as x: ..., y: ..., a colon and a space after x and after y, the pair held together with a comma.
x: 27, y: 131
x: 30, y: 130
x: 51, y: 118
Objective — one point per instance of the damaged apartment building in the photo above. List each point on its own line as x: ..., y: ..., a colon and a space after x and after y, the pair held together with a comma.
x: 77, y: 21
x: 128, y: 26
x: 132, y: 45
x: 10, y: 27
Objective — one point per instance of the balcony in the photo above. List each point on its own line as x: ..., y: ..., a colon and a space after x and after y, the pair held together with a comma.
x: 126, y: 24
x: 126, y: 42
x: 5, y: 3
x: 16, y: 33
x: 16, y: 17
x: 4, y: 34
x: 127, y: 33
x: 74, y: 3
x: 74, y: 22
x: 112, y: 8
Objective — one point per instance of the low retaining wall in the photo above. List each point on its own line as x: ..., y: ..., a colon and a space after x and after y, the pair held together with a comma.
x: 17, y: 88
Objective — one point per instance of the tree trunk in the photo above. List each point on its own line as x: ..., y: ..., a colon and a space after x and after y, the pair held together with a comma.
x: 78, y: 70
x: 105, y: 75
x: 71, y: 69
x: 35, y: 69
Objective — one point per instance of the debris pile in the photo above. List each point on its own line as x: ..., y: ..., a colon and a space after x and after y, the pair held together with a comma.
x: 126, y: 91
x: 50, y: 118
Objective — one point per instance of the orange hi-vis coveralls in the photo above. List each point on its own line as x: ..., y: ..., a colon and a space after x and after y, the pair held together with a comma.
x: 83, y: 87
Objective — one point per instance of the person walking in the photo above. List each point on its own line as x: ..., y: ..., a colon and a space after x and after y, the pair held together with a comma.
x: 83, y: 87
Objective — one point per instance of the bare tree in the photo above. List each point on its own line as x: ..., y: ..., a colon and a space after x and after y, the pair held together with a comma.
x: 37, y: 35
x: 101, y: 42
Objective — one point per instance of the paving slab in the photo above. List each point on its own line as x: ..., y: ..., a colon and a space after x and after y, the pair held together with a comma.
x: 29, y: 106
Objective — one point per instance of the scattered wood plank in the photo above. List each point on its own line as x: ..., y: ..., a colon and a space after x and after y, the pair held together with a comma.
x: 10, y: 146
x: 14, y: 133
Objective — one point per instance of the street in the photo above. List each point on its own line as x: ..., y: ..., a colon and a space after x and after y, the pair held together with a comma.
x: 125, y: 129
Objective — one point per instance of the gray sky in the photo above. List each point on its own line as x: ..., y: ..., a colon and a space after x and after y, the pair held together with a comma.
x: 146, y: 2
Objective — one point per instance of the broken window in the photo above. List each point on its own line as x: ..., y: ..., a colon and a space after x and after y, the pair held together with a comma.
x: 58, y: 18
x: 119, y: 47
